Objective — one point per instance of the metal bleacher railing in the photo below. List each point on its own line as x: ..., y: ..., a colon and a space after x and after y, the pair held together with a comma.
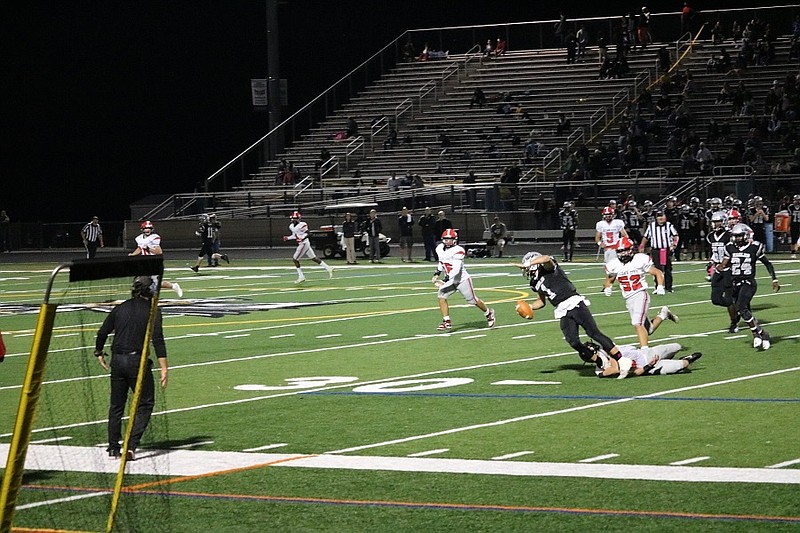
x: 668, y: 27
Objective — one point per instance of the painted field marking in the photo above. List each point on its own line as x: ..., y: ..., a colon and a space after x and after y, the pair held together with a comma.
x: 785, y: 463
x: 267, y: 447
x: 474, y: 336
x: 511, y: 455
x: 429, y: 452
x: 731, y: 337
x: 560, y: 411
x: 55, y: 439
x: 236, y: 336
x: 690, y: 461
x: 193, y: 445
x: 329, y: 336
x: 524, y: 382
x: 523, y: 336
x: 282, y: 336
x: 599, y: 458
x: 376, y: 336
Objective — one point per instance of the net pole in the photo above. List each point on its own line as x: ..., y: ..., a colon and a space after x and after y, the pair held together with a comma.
x: 26, y: 413
x: 132, y: 413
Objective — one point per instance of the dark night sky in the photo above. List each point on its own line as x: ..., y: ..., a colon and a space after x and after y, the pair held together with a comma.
x: 105, y: 102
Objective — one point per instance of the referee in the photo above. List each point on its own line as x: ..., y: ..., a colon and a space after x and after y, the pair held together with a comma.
x: 92, y: 235
x: 662, y: 237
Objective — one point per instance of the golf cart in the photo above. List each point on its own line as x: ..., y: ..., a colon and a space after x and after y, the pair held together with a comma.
x: 328, y: 239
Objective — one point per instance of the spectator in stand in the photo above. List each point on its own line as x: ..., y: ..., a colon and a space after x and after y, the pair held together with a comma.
x: 561, y: 29
x: 687, y: 19
x: 716, y: 33
x: 582, y: 38
x: 705, y: 159
x: 664, y: 59
x: 5, y: 239
x: 391, y: 139
x: 725, y: 94
x: 500, y: 47
x: 409, y: 52
x: 352, y: 127
x: 724, y: 63
x: 477, y: 98
x: 487, y: 50
x: 471, y: 192
x: 602, y: 50
x: 643, y: 29
x: 393, y: 183
x: 563, y: 125
x: 572, y: 48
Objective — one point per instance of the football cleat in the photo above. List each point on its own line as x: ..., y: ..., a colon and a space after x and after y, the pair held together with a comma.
x: 299, y: 280
x: 669, y: 315
x: 757, y: 341
x: 177, y: 289
x: 131, y: 455
x: 225, y: 258
x: 114, y: 453
x: 196, y: 269
x: 765, y: 341
x: 692, y: 358
x: 330, y: 273
x: 734, y: 327
x: 490, y: 318
x: 446, y: 325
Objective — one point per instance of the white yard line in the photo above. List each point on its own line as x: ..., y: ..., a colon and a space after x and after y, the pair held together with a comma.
x: 690, y: 461
x: 599, y: 458
x: 196, y: 462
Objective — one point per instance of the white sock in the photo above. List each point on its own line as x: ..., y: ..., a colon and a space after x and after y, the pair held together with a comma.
x: 446, y: 317
x: 300, y: 274
x: 324, y: 265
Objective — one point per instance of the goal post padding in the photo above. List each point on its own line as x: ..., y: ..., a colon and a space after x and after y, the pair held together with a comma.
x: 82, y: 270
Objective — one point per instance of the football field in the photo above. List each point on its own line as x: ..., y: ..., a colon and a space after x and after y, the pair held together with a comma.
x: 337, y: 405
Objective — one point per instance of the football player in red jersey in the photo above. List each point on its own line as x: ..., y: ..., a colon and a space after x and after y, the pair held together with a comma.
x: 456, y: 278
x: 299, y: 230
x: 149, y: 243
x: 630, y: 270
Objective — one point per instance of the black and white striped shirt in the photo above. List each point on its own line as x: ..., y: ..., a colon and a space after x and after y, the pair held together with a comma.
x: 92, y: 232
x: 660, y: 236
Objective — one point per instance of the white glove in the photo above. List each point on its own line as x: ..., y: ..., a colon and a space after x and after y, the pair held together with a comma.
x: 434, y: 279
x: 607, y: 291
x: 660, y: 290
x: 438, y: 283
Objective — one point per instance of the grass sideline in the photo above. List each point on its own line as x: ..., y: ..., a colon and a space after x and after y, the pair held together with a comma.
x: 245, y: 342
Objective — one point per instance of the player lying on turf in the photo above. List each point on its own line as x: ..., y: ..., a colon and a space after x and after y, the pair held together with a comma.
x: 638, y: 361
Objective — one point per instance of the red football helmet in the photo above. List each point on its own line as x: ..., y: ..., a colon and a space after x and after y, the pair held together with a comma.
x: 609, y: 213
x: 625, y: 249
x: 734, y: 217
x: 296, y: 214
x: 147, y: 225
x: 449, y: 233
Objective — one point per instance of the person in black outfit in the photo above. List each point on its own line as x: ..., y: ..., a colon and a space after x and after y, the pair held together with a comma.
x: 721, y: 284
x: 405, y: 223
x: 428, y: 224
x: 207, y: 232
x: 374, y: 228
x: 551, y: 284
x: 741, y: 255
x: 568, y: 218
x: 442, y: 223
x: 128, y: 321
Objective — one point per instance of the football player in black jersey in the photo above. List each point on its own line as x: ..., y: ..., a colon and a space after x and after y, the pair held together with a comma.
x: 551, y: 284
x: 568, y: 218
x: 721, y: 286
x: 741, y: 255
x: 794, y: 223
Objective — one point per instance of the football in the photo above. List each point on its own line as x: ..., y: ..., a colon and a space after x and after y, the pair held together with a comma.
x: 524, y: 309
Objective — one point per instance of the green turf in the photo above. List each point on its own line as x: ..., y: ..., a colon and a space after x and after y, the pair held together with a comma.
x: 376, y: 325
